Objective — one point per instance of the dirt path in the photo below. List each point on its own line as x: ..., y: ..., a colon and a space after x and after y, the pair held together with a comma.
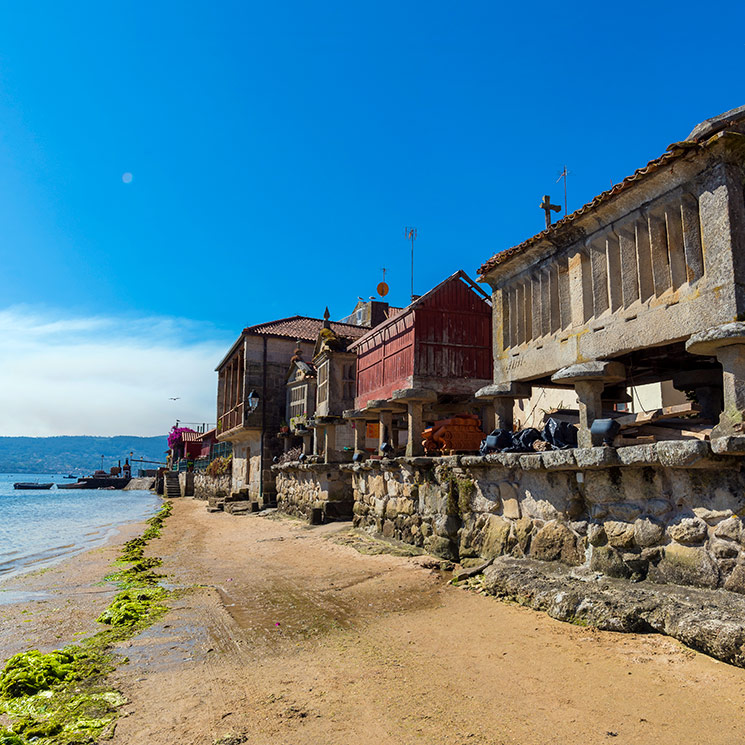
x: 287, y: 637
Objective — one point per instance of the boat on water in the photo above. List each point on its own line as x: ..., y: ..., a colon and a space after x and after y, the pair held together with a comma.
x: 31, y: 485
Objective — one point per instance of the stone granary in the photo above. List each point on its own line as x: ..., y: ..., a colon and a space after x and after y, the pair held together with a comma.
x: 425, y: 362
x: 645, y: 283
x: 318, y: 392
x: 251, y: 395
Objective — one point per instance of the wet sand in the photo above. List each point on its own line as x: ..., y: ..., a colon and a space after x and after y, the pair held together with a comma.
x: 280, y: 635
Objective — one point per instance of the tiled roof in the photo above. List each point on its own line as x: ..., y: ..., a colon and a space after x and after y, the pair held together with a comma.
x: 302, y: 327
x: 565, y: 225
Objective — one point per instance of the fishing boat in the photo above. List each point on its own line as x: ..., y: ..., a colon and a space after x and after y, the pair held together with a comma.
x: 31, y: 485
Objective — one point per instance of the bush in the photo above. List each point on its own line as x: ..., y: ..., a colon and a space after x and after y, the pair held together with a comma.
x: 220, y: 466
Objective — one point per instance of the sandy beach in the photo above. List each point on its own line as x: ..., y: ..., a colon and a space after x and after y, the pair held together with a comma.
x: 278, y: 633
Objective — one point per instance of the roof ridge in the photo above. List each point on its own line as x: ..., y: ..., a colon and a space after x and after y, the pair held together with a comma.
x: 674, y: 151
x: 300, y: 318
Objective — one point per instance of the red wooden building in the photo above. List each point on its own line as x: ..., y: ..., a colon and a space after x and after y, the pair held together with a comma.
x: 441, y: 342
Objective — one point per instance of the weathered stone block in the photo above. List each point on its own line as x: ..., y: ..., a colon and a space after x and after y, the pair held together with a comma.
x: 711, y: 516
x: 688, y: 530
x: 598, y: 511
x: 377, y: 486
x: 446, y: 526
x: 657, y: 507
x: 601, y: 457
x: 441, y: 547
x: 579, y: 526
x: 730, y: 528
x: 607, y: 560
x: 531, y: 462
x: 684, y: 453
x: 648, y: 532
x: 495, y: 539
x: 555, y: 542
x: 511, y: 509
x: 522, y: 529
x: 625, y: 511
x: 724, y: 549
x: 620, y: 534
x: 559, y: 460
x: 728, y: 444
x: 736, y: 580
x: 685, y: 565
x: 596, y: 534
x: 389, y: 529
x: 638, y: 455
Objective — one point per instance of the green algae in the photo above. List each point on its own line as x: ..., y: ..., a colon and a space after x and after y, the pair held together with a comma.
x: 60, y: 697
x: 27, y: 673
x: 134, y: 607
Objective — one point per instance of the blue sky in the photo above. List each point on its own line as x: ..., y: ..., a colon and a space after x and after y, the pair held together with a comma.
x: 277, y: 150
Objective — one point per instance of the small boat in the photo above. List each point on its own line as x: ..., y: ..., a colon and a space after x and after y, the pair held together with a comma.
x: 31, y: 485
x: 69, y: 476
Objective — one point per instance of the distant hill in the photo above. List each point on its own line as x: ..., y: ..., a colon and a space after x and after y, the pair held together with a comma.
x: 75, y: 453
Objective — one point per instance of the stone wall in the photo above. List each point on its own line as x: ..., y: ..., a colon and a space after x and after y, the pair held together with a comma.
x: 304, y: 487
x: 669, y: 511
x: 206, y: 486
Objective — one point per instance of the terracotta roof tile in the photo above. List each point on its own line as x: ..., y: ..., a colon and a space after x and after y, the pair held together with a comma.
x: 302, y: 327
x: 565, y: 225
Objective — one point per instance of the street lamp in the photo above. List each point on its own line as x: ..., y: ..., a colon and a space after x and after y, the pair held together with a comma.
x: 253, y: 401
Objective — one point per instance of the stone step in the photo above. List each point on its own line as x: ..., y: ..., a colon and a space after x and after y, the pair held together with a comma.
x: 235, y: 508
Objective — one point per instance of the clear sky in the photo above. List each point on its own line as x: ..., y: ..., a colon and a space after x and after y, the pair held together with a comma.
x: 171, y: 172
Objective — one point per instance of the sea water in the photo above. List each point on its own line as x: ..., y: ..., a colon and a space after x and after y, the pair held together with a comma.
x: 41, y: 527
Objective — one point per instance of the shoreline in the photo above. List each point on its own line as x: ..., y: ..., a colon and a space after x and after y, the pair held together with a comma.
x: 280, y: 632
x: 77, y: 537
x: 59, y: 604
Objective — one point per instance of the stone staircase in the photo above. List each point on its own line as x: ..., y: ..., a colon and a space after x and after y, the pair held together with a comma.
x: 171, y: 485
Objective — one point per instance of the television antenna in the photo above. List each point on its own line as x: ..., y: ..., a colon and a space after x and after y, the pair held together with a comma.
x: 383, y: 288
x: 410, y: 234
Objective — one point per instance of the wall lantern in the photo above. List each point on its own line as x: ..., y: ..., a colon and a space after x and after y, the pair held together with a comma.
x: 253, y: 401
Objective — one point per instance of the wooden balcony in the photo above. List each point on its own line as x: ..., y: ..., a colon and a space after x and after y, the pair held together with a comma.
x: 230, y: 419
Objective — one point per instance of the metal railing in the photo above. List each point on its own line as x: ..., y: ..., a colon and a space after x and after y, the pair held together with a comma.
x: 200, y: 427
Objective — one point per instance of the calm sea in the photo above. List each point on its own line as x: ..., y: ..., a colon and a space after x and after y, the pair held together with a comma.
x: 39, y: 527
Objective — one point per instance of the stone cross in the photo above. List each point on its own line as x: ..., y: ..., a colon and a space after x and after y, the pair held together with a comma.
x: 546, y: 206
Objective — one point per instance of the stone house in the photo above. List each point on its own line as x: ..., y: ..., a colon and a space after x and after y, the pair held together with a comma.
x: 251, y: 396
x: 256, y: 393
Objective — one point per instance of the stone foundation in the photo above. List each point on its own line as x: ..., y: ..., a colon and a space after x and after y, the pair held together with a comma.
x: 301, y: 488
x: 206, y: 486
x: 667, y: 512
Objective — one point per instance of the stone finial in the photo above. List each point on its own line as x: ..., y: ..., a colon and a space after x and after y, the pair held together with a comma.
x: 298, y: 353
x: 326, y: 316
